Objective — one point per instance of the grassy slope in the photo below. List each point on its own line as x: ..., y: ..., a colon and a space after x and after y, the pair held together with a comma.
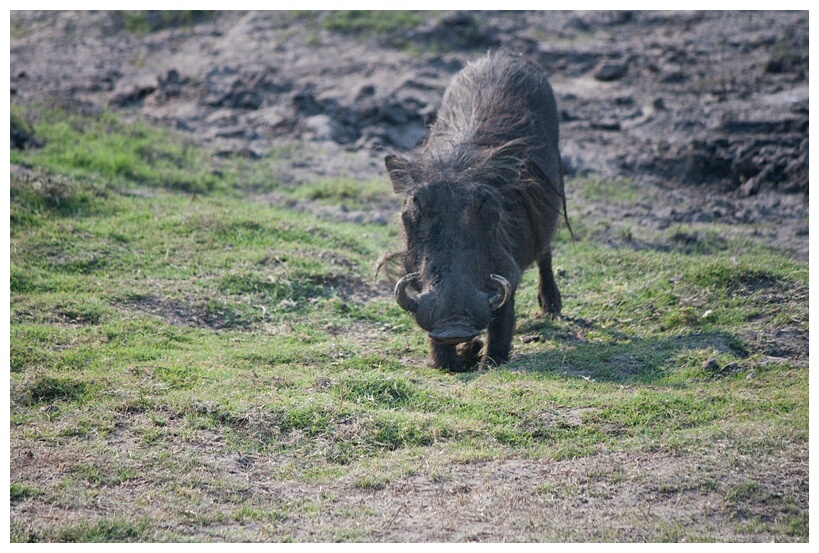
x: 156, y: 333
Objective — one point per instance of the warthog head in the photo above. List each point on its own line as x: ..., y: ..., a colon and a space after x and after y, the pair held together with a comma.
x: 458, y: 268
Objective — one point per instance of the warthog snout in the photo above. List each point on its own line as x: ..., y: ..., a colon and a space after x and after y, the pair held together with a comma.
x: 456, y: 313
x: 410, y: 304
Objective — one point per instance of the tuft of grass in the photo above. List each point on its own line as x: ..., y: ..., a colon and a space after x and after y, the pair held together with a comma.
x: 149, y: 21
x: 387, y: 26
x: 106, y: 530
x: 390, y: 392
x: 346, y: 191
x: 610, y: 190
x: 249, y: 513
x: 372, y: 483
x: 48, y: 389
x: 19, y: 491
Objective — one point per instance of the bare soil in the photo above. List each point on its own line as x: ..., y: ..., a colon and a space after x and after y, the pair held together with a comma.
x: 708, y: 109
x: 727, y: 495
x: 706, y: 112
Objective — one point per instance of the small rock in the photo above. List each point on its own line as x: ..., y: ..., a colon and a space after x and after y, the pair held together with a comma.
x: 731, y: 368
x: 752, y: 186
x: 222, y: 117
x: 366, y: 91
x: 711, y: 365
x: 393, y: 112
x: 406, y: 136
x: 132, y: 95
x: 611, y: 72
x: 170, y: 84
x: 577, y: 24
x: 672, y: 76
x: 750, y: 376
x: 247, y: 153
x: 606, y: 124
x: 237, y: 131
x: 321, y: 127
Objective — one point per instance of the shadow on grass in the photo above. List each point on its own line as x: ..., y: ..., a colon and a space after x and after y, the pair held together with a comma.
x: 616, y: 356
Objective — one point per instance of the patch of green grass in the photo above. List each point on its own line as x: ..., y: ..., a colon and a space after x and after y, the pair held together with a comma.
x: 249, y: 513
x: 798, y: 525
x: 372, y: 483
x: 390, y: 392
x: 756, y: 505
x: 18, y: 121
x: 19, y: 491
x: 176, y: 332
x: 149, y: 21
x: 106, y: 530
x: 396, y: 430
x: 112, y: 151
x: 610, y: 190
x: 349, y: 192
x: 98, y: 475
x: 47, y: 389
x: 388, y: 26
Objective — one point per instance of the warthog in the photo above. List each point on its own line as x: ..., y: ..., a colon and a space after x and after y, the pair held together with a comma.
x: 483, y: 197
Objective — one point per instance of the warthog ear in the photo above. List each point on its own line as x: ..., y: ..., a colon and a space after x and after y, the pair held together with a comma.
x: 399, y: 170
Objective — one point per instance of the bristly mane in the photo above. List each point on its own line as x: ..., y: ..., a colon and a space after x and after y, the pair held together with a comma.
x: 485, y: 133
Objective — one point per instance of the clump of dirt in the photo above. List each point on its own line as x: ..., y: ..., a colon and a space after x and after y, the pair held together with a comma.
x: 709, y: 106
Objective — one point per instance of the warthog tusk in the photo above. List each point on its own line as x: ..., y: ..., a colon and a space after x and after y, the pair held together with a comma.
x: 407, y: 303
x: 498, y: 300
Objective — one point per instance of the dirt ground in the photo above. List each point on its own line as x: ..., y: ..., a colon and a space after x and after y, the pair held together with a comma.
x: 710, y: 109
x: 707, y: 111
x: 606, y: 497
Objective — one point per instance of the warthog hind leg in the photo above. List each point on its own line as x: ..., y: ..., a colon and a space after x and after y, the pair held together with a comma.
x: 548, y: 295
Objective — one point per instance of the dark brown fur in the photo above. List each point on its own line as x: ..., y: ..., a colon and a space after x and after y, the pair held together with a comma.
x: 484, y: 195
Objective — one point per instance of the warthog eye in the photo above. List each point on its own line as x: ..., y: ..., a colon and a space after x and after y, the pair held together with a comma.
x: 412, y: 209
x: 487, y: 207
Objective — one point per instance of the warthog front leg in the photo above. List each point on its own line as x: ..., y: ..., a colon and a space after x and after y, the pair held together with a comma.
x: 499, y: 335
